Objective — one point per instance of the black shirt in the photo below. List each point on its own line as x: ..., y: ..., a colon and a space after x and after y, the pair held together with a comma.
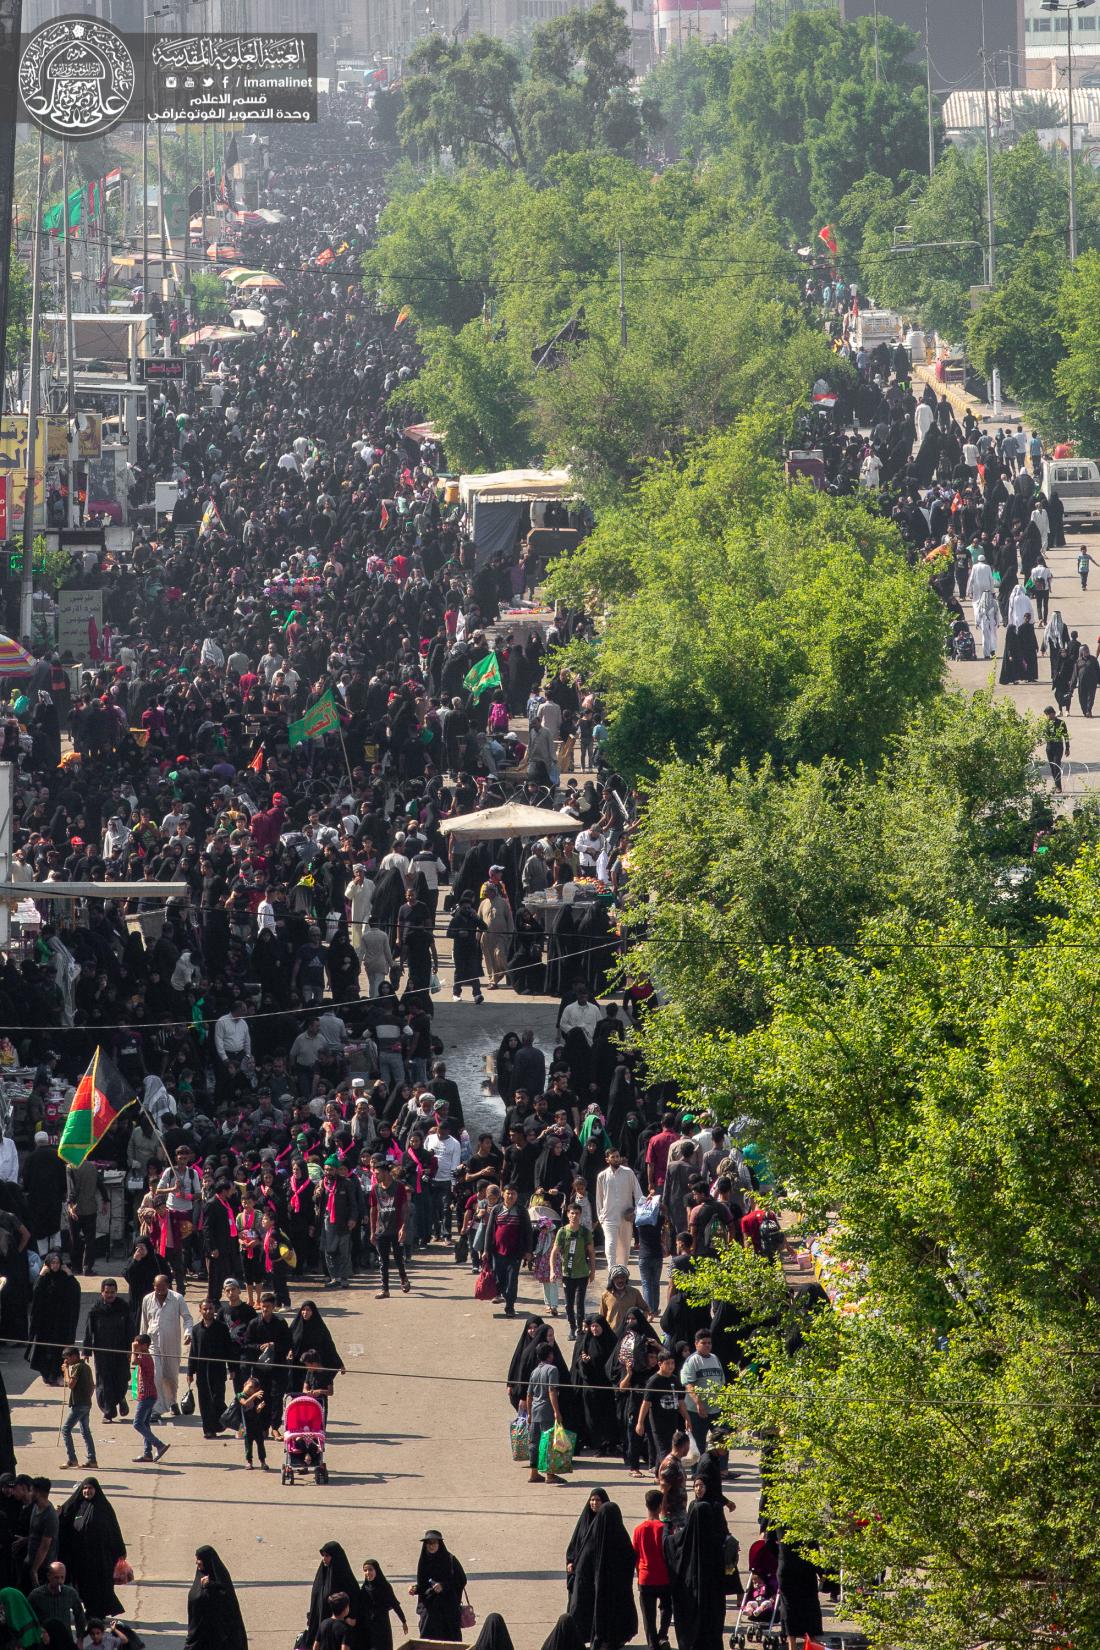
x: 664, y: 1395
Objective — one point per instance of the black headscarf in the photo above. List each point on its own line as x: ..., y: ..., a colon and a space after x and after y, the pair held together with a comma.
x: 527, y: 1339
x: 597, y: 1419
x: 494, y: 1634
x: 378, y: 1599
x: 581, y: 1528
x: 635, y: 1325
x: 337, y: 1577
x: 602, y: 1597
x: 314, y: 1336
x: 90, y: 1544
x: 440, y: 1613
x: 564, y: 1635
x: 695, y: 1554
x: 214, y: 1619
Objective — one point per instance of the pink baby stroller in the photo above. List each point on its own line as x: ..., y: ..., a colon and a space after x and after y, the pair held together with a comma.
x: 304, y: 1439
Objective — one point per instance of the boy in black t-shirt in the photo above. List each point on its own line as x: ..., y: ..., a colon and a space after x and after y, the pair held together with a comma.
x: 663, y: 1409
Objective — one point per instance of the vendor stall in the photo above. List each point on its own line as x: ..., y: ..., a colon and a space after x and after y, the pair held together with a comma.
x: 495, y: 504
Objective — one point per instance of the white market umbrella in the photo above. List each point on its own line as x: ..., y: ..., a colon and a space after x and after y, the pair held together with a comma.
x: 513, y: 819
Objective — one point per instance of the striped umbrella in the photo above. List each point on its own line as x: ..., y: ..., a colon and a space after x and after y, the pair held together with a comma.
x: 14, y: 658
x: 260, y: 280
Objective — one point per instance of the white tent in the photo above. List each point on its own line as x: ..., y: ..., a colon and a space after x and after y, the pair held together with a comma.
x: 513, y: 819
x: 494, y: 503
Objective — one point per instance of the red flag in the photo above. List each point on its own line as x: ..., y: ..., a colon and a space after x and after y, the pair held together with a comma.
x: 402, y: 317
x: 828, y: 237
x: 384, y: 519
x: 257, y: 762
x: 324, y: 258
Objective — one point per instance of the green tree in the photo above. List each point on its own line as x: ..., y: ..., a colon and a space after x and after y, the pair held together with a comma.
x: 474, y: 390
x: 808, y: 116
x: 461, y: 98
x: 727, y: 864
x: 743, y: 619
x: 578, y: 94
x: 1077, y: 374
x: 436, y: 245
x: 924, y: 1092
x: 1017, y: 329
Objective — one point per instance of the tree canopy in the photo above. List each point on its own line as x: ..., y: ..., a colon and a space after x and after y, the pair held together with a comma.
x: 478, y: 99
x: 743, y: 619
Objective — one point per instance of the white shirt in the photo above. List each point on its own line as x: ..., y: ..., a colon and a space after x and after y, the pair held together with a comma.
x: 429, y: 867
x: 617, y: 1192
x: 395, y: 862
x: 586, y: 1019
x: 590, y: 845
x: 232, y: 1039
x: 333, y: 1029
x: 447, y: 1154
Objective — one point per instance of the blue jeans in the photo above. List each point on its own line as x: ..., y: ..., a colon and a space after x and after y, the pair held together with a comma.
x: 391, y: 1067
x: 649, y: 1270
x: 78, y: 1417
x: 506, y: 1271
x: 141, y: 1426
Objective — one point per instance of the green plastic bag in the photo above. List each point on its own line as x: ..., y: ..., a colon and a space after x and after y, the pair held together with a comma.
x: 556, y: 1448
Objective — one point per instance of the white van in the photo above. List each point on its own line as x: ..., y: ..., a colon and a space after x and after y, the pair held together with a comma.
x: 1077, y: 483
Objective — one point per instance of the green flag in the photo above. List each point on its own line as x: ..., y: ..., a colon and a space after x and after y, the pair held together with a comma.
x: 321, y: 718
x: 485, y: 674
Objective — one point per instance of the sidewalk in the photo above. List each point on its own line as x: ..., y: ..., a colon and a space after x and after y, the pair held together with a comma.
x: 1081, y: 612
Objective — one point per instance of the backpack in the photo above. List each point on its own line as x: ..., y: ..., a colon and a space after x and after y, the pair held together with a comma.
x: 771, y: 1236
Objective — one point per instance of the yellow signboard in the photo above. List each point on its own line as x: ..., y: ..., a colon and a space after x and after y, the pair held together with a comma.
x: 13, y: 457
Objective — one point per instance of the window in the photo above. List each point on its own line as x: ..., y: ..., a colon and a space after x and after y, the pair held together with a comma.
x: 1085, y: 24
x: 1061, y: 25
x: 1041, y: 25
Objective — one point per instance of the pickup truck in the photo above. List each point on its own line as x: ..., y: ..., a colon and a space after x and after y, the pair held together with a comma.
x: 1076, y: 481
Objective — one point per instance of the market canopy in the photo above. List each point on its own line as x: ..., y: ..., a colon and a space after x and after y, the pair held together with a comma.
x: 253, y: 320
x: 513, y: 819
x: 209, y: 334
x: 260, y: 280
x: 516, y: 486
x: 494, y: 504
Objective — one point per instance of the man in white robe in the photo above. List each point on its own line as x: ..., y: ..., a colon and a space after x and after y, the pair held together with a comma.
x: 167, y: 1322
x: 981, y: 580
x: 986, y: 617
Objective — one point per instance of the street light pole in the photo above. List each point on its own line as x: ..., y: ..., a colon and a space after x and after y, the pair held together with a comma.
x: 991, y: 263
x: 1069, y: 7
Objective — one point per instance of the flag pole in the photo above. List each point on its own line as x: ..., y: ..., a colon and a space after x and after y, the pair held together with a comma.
x: 344, y: 748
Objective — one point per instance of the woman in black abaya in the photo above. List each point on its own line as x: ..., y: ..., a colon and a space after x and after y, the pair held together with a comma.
x: 214, y: 1619
x: 334, y: 1575
x: 564, y: 1635
x: 90, y: 1544
x: 438, y: 1588
x: 601, y: 1601
x: 377, y: 1601
x: 696, y: 1562
x: 389, y: 896
x: 799, y: 1603
x: 55, y: 1308
x: 598, y: 1422
x: 597, y: 1499
x: 310, y: 1333
x: 494, y: 1634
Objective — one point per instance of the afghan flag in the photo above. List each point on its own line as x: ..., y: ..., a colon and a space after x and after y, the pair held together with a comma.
x: 828, y: 237
x: 101, y: 1095
x: 485, y: 674
x: 319, y: 719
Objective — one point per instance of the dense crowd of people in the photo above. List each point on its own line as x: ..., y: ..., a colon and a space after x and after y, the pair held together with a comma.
x: 297, y: 1121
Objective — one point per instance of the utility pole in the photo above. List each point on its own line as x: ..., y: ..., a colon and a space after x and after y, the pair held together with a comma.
x: 145, y: 205
x: 70, y: 393
x: 928, y: 93
x: 26, y: 592
x: 876, y: 42
x: 11, y: 20
x: 991, y: 264
x: 622, y: 295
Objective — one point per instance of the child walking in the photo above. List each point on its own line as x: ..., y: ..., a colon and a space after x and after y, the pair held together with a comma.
x: 256, y: 1421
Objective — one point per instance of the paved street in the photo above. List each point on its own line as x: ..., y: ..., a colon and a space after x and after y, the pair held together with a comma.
x: 419, y: 1438
x: 1081, y: 611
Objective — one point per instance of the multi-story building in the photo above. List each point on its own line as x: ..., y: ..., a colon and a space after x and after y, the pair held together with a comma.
x: 1046, y: 42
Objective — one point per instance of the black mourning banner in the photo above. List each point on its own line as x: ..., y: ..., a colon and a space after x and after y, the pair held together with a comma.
x: 79, y: 77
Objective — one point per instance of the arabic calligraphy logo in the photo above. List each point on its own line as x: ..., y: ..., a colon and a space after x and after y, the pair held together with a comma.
x: 76, y: 77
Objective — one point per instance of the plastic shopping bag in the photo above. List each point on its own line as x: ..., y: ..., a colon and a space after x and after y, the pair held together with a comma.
x: 556, y: 1450
x: 520, y: 1434
x: 485, y: 1288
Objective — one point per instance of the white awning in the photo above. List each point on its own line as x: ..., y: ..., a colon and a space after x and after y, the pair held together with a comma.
x: 513, y: 819
x: 516, y: 486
